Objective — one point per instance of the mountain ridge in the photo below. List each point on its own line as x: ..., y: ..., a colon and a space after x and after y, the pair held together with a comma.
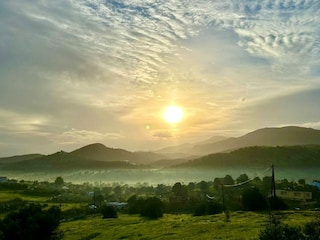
x: 97, y: 155
x: 284, y: 136
x: 298, y: 156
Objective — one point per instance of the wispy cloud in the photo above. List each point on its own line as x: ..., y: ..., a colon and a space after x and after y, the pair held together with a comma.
x: 86, y: 68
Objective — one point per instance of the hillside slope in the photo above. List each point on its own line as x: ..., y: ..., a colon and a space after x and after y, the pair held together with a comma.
x: 19, y: 158
x: 282, y: 156
x: 100, y: 152
x: 284, y: 136
x: 63, y: 161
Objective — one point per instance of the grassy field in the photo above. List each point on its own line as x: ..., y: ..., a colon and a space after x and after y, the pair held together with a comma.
x: 242, y: 226
x: 10, y: 195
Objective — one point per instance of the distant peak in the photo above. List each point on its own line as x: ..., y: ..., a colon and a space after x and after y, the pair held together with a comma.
x: 96, y: 145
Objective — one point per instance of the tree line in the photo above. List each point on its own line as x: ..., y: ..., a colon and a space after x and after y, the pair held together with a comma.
x: 197, y: 198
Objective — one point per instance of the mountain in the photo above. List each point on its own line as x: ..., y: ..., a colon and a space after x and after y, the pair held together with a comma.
x: 19, y: 158
x: 93, y: 156
x: 100, y: 152
x: 303, y: 156
x: 186, y: 149
x: 63, y: 161
x: 284, y: 136
x: 98, y: 156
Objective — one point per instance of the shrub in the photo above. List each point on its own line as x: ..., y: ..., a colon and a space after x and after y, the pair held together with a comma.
x: 152, y: 208
x: 208, y: 208
x: 312, y: 230
x: 253, y: 200
x: 108, y: 212
x: 281, y: 232
x: 135, y: 205
x: 31, y: 223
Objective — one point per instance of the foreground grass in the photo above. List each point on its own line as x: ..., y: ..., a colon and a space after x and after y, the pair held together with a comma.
x: 7, y: 195
x: 242, y: 226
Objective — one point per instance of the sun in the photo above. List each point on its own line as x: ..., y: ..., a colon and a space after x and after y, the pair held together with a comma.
x: 173, y: 114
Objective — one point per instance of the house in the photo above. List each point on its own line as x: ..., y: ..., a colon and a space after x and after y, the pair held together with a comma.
x: 294, y: 195
x: 118, y: 205
x: 3, y: 179
x: 316, y: 184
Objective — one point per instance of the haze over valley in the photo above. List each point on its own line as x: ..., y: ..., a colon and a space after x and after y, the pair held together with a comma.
x: 158, y: 86
x: 295, y: 152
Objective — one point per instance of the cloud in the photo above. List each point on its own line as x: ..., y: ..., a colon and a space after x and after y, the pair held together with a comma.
x: 90, y: 67
x: 78, y: 137
x: 162, y: 134
x: 293, y: 109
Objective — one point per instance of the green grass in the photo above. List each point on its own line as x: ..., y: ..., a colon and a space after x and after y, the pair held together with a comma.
x: 10, y: 195
x: 242, y: 226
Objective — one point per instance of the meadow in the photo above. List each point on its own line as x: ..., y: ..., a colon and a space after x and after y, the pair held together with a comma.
x: 242, y: 226
x: 84, y: 225
x: 159, y: 176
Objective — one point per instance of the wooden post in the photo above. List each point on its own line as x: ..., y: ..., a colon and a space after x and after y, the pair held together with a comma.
x: 223, y: 204
x: 273, y: 190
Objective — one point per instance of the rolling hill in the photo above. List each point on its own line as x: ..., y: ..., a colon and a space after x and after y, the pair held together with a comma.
x: 304, y: 156
x: 284, y: 136
x: 62, y: 161
x: 100, y: 152
x: 187, y: 149
x: 287, y: 146
x: 19, y: 158
x: 93, y: 156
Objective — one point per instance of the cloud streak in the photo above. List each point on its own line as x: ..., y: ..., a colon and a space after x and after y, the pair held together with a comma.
x: 90, y: 68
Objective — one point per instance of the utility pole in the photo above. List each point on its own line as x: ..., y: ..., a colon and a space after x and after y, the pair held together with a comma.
x: 273, y: 190
x: 222, y: 192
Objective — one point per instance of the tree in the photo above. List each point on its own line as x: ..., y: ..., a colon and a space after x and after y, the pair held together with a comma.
x: 152, y: 208
x: 99, y: 199
x: 217, y: 182
x: 228, y: 180
x: 281, y: 232
x: 208, y: 208
x: 108, y: 212
x: 302, y: 182
x: 59, y: 181
x: 253, y: 200
x: 312, y: 229
x: 242, y: 178
x: 162, y: 190
x: 134, y: 205
x: 180, y: 191
x: 31, y: 223
x: 179, y: 198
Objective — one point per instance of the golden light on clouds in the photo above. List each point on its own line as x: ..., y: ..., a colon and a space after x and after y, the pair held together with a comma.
x: 173, y: 114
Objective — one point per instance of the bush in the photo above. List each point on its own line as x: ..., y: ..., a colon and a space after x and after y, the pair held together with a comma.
x: 281, y: 232
x: 134, y: 205
x: 253, y: 200
x: 152, y: 208
x: 208, y: 208
x: 312, y: 230
x: 31, y: 223
x: 75, y: 213
x: 109, y: 212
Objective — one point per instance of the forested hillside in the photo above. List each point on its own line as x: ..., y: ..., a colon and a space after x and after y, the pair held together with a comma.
x: 282, y: 156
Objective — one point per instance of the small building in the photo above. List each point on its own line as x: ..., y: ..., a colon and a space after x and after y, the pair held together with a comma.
x: 90, y: 194
x: 294, y: 195
x: 3, y: 179
x: 315, y: 184
x: 118, y: 205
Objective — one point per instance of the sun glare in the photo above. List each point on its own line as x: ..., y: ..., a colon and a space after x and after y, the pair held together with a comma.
x: 173, y: 114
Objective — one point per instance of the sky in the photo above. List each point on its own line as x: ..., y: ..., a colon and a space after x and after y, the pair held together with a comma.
x: 75, y: 72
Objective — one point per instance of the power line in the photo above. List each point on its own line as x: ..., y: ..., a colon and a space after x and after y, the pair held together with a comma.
x: 249, y: 180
